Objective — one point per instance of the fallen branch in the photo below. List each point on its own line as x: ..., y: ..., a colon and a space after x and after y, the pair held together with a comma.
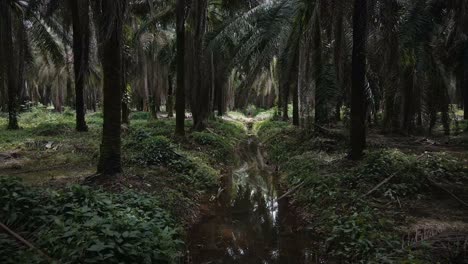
x: 40, y: 169
x: 328, y: 132
x: 381, y: 183
x: 447, y: 191
x: 293, y: 190
x: 25, y: 242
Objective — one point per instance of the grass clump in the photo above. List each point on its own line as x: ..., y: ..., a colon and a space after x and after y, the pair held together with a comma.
x: 82, y: 225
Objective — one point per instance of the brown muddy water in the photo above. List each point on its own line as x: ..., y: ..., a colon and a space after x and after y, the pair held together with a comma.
x: 247, y: 223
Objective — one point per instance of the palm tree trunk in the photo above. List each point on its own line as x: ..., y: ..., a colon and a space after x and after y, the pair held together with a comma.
x: 295, y: 95
x: 112, y: 64
x: 339, y: 58
x: 170, y: 97
x: 180, y: 93
x: 220, y: 100
x: 198, y: 64
x: 358, y: 103
x: 464, y: 84
x: 285, y: 98
x: 81, y: 38
x: 12, y: 62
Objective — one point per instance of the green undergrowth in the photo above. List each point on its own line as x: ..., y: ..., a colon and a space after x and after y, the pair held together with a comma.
x: 353, y: 226
x: 282, y: 140
x: 83, y: 225
x: 164, y: 178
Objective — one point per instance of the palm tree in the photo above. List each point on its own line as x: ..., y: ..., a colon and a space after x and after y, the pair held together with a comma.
x: 110, y: 14
x: 358, y: 103
x: 197, y: 67
x: 81, y: 38
x: 180, y: 93
x: 13, y: 64
x: 77, y: 15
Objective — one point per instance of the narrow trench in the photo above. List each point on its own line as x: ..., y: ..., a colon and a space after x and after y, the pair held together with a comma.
x: 247, y: 223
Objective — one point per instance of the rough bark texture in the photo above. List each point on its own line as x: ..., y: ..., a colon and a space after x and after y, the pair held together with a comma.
x: 81, y: 38
x: 358, y: 104
x: 339, y: 58
x: 14, y: 63
x: 170, y: 97
x: 180, y: 93
x: 109, y: 160
x: 464, y: 86
x: 197, y: 64
x: 285, y: 98
x: 391, y: 72
x: 295, y: 94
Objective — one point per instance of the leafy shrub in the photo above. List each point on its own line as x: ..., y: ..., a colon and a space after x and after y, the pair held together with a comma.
x: 140, y: 116
x: 147, y: 149
x: 410, y: 171
x: 360, y: 236
x: 83, y: 225
x: 156, y: 151
x: 161, y: 127
x: 269, y: 128
x: 303, y: 167
x: 53, y: 129
x: 409, y: 178
x: 203, y: 176
x: 221, y: 149
x: 443, y: 166
x: 95, y: 118
x: 228, y: 130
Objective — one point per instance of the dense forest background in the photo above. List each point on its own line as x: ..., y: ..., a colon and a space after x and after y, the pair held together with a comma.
x: 123, y: 89
x: 240, y: 53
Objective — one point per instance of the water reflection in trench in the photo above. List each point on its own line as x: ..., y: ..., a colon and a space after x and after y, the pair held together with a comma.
x: 248, y: 224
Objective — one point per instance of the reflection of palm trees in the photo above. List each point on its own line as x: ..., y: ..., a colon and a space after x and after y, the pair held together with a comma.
x: 253, y: 225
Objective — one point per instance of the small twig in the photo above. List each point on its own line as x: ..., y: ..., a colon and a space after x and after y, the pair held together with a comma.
x: 447, y: 191
x: 398, y: 200
x: 294, y: 189
x: 25, y: 242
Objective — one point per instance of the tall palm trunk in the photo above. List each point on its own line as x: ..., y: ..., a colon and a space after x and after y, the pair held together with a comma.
x: 125, y: 95
x: 81, y: 38
x: 285, y: 98
x: 358, y: 102
x: 197, y: 64
x: 339, y: 58
x: 180, y: 93
x: 464, y: 84
x: 112, y: 64
x: 170, y: 97
x: 295, y: 95
x: 391, y: 72
x: 13, y: 63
